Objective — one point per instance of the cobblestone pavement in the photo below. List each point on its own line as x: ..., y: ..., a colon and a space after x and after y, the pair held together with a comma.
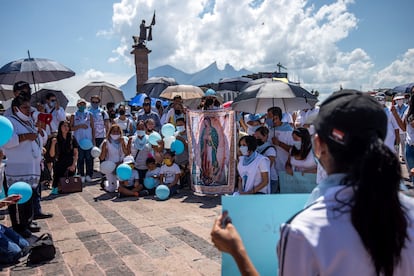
x: 96, y: 233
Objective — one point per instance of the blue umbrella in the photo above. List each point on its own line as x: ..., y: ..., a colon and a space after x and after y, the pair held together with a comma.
x: 404, y: 88
x: 138, y: 100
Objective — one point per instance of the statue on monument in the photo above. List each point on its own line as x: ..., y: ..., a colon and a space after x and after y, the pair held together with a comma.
x: 142, y: 38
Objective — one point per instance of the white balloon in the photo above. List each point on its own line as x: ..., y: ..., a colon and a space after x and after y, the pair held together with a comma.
x: 95, y: 152
x: 107, y: 167
x: 168, y: 141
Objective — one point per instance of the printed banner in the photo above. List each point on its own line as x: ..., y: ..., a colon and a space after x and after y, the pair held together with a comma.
x: 211, y: 146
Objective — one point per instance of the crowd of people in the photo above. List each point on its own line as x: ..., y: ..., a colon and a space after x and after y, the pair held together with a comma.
x: 268, y: 144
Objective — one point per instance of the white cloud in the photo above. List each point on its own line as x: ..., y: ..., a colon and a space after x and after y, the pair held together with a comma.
x: 71, y: 85
x: 398, y: 72
x: 301, y: 37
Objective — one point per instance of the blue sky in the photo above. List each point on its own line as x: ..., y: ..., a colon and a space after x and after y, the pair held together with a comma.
x: 324, y: 44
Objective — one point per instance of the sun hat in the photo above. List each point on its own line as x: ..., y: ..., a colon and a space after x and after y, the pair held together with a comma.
x: 128, y: 159
x: 81, y: 101
x: 350, y: 114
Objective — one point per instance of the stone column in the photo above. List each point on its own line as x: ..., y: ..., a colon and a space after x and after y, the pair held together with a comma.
x: 141, y: 52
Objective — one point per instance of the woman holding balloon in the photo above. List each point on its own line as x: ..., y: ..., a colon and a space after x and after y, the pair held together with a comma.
x: 24, y: 154
x: 114, y: 149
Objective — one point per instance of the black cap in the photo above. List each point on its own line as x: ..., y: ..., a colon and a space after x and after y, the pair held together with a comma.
x: 21, y: 85
x: 347, y: 115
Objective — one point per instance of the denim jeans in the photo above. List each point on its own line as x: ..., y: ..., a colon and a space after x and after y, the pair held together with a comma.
x: 85, y: 158
x: 409, y: 158
x: 11, y: 245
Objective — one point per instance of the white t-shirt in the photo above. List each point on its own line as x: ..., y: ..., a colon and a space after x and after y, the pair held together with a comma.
x: 169, y: 172
x: 391, y: 127
x: 322, y: 241
x: 271, y: 151
x: 124, y: 124
x: 251, y: 173
x: 284, y: 134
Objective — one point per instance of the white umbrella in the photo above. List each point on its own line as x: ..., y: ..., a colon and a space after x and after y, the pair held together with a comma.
x: 186, y: 92
x: 34, y: 70
x: 260, y: 97
x: 106, y: 91
x: 6, y: 93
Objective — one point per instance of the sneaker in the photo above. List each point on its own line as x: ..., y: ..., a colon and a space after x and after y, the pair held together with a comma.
x: 83, y: 179
x: 89, y: 179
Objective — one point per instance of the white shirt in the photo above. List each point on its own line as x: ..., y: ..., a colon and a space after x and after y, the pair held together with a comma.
x: 251, y: 174
x: 169, y: 172
x: 58, y: 115
x: 320, y: 241
x: 391, y: 127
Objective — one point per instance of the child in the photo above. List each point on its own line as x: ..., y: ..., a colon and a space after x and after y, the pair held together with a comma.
x: 170, y: 172
x: 154, y: 172
x: 130, y: 187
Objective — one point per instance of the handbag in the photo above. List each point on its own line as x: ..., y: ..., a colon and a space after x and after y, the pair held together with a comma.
x: 69, y: 184
x: 42, y: 250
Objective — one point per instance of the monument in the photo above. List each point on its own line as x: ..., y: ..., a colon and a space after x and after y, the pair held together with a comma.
x: 140, y: 51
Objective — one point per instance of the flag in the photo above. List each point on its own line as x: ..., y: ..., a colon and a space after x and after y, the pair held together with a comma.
x: 153, y: 19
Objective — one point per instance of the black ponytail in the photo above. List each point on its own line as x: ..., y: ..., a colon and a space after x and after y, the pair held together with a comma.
x: 376, y: 211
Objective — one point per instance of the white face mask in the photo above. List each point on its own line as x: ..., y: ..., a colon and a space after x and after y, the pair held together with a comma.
x: 244, y: 150
x: 22, y: 116
x: 399, y: 102
x: 297, y: 144
x: 140, y: 132
x: 180, y: 128
x: 115, y: 136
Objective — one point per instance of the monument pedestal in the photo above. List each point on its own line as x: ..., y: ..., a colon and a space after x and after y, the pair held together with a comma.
x: 141, y: 52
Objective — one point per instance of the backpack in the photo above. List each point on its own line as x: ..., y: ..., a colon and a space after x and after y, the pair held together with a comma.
x: 42, y: 250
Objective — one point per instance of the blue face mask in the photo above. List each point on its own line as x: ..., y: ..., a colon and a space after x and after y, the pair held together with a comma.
x: 81, y: 108
x: 94, y: 105
x: 52, y: 104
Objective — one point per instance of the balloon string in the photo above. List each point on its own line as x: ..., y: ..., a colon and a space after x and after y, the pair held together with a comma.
x: 17, y: 214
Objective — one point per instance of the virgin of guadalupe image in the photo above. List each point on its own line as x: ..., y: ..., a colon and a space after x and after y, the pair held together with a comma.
x: 212, y: 152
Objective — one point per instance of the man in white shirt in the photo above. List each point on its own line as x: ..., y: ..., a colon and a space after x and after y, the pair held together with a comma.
x: 53, y: 107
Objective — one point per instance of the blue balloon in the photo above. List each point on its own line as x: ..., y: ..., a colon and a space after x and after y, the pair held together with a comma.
x: 6, y: 130
x: 177, y: 146
x: 124, y: 172
x: 168, y: 130
x: 149, y: 182
x: 23, y: 189
x: 162, y: 192
x: 154, y: 137
x: 85, y: 144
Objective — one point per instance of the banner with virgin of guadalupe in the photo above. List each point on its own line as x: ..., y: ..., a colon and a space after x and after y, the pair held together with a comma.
x: 211, y: 147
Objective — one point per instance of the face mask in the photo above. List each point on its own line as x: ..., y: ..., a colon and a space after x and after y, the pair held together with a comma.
x: 259, y: 142
x: 297, y: 144
x: 157, y: 105
x: 52, y: 104
x: 94, y: 105
x: 115, y: 136
x: 121, y: 112
x: 180, y: 128
x: 22, y: 116
x: 178, y: 112
x: 317, y: 161
x: 168, y: 162
x: 81, y: 108
x: 244, y: 150
x: 399, y: 102
x: 112, y: 115
x: 381, y: 102
x: 140, y: 132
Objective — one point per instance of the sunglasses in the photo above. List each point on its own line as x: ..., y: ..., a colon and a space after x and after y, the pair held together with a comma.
x: 146, y: 104
x: 95, y: 102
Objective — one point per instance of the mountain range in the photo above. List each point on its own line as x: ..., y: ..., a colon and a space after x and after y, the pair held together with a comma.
x: 210, y: 74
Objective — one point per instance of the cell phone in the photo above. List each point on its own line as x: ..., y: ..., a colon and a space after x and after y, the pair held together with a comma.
x: 225, y: 219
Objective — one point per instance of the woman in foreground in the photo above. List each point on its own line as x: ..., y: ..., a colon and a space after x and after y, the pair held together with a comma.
x: 361, y: 224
